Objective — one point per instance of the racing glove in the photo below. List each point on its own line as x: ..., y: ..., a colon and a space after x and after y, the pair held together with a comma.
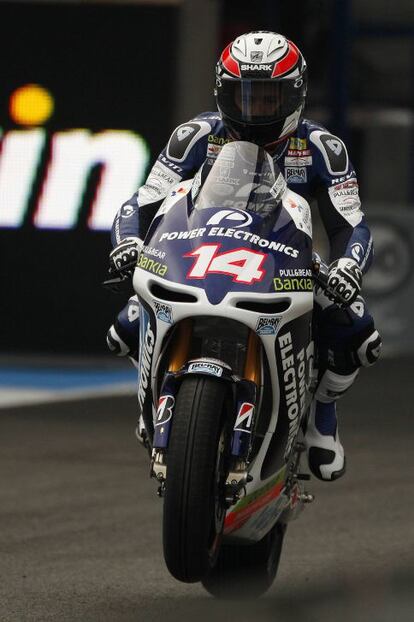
x: 123, y: 258
x: 344, y: 281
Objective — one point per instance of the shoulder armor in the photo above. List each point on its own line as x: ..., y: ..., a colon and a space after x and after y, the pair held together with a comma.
x: 333, y: 151
x: 184, y: 137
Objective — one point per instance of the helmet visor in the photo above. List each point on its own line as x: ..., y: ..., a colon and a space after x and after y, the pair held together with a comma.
x: 260, y: 101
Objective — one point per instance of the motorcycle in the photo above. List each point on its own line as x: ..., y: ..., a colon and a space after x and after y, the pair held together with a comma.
x: 226, y: 367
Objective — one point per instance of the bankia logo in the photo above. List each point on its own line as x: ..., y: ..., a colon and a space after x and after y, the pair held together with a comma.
x: 56, y: 166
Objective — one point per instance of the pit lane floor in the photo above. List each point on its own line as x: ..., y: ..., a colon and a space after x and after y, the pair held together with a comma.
x: 80, y: 524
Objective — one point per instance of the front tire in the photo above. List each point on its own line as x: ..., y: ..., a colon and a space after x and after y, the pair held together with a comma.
x: 194, y: 511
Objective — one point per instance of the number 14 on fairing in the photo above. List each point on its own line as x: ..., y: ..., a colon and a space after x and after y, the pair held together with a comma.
x: 243, y: 264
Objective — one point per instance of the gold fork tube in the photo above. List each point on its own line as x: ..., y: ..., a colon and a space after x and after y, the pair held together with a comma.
x: 252, y: 369
x: 182, y: 341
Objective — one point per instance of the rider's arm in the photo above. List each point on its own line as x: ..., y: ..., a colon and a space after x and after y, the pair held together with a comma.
x: 183, y: 155
x: 336, y: 191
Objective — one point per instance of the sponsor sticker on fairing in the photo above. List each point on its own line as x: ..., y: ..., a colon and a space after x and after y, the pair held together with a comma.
x: 163, y: 312
x: 267, y: 325
x: 205, y: 367
x: 294, y: 385
x: 145, y: 362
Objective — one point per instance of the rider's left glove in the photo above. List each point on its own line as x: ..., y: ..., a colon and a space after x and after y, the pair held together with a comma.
x: 123, y: 258
x: 344, y: 280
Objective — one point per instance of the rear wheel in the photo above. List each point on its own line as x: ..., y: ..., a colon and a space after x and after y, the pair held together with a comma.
x: 246, y: 571
x: 194, y: 509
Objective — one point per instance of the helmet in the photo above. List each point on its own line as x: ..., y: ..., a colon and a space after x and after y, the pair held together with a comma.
x: 260, y: 89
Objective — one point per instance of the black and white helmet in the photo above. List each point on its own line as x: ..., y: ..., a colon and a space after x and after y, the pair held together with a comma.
x: 261, y: 83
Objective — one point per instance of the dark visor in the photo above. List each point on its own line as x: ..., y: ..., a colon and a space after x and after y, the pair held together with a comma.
x: 260, y: 101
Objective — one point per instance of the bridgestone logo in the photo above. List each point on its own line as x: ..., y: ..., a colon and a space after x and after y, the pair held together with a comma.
x: 145, y: 367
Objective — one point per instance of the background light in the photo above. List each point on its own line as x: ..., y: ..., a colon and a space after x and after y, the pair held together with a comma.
x: 31, y: 104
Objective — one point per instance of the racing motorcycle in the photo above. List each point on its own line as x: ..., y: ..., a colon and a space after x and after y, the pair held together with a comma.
x: 225, y: 284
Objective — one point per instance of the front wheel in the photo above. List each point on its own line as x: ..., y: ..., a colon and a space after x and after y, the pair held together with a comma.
x: 194, y: 508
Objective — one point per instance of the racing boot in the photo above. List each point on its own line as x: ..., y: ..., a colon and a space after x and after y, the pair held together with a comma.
x: 325, y: 453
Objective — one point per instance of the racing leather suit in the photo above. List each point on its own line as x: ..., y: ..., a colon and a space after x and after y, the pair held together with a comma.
x: 315, y: 165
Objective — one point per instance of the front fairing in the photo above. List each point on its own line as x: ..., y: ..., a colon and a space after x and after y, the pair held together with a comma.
x: 225, y: 238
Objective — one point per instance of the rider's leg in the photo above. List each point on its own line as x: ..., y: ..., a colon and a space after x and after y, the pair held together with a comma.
x: 123, y: 340
x: 346, y: 340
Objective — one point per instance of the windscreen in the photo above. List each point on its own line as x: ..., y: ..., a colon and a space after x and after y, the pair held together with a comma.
x: 245, y: 177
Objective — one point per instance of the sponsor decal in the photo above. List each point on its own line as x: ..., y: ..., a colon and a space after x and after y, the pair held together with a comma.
x: 171, y: 165
x: 358, y: 307
x: 183, y: 132
x: 127, y: 211
x: 165, y: 409
x: 296, y: 175
x: 345, y: 196
x: 213, y: 150
x: 146, y: 263
x: 298, y: 161
x: 278, y: 188
x: 339, y: 180
x: 307, y: 272
x: 298, y: 143
x: 298, y: 153
x: 154, y: 252
x: 267, y: 325
x: 245, y: 236
x: 230, y: 217
x: 165, y: 174
x: 256, y: 56
x: 147, y: 349
x: 244, y: 418
x: 256, y: 67
x: 334, y: 145
x: 163, y: 312
x: 294, y: 385
x: 292, y: 284
x: 179, y: 190
x: 217, y: 140
x: 357, y: 252
x: 205, y: 367
x: 133, y: 311
x: 243, y: 264
x: 253, y: 502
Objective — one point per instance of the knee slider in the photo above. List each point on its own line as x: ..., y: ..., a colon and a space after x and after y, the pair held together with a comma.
x: 369, y: 351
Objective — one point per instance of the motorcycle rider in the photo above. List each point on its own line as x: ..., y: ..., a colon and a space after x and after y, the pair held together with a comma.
x: 261, y: 84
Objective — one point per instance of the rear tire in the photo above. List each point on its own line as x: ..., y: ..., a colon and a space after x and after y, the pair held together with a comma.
x: 193, y: 504
x: 246, y: 571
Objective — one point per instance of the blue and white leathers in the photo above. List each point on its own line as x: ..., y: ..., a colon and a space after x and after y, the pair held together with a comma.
x: 315, y: 165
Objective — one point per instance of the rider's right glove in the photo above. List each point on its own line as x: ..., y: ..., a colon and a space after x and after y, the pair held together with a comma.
x: 344, y: 280
x: 123, y: 258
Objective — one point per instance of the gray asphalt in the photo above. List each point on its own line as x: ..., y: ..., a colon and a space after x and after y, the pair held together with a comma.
x: 80, y: 524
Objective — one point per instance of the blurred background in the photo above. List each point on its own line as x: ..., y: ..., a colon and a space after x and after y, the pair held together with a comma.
x: 112, y: 79
x: 89, y: 94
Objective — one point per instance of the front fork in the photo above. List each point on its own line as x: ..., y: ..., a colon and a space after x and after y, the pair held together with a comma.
x: 246, y: 397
